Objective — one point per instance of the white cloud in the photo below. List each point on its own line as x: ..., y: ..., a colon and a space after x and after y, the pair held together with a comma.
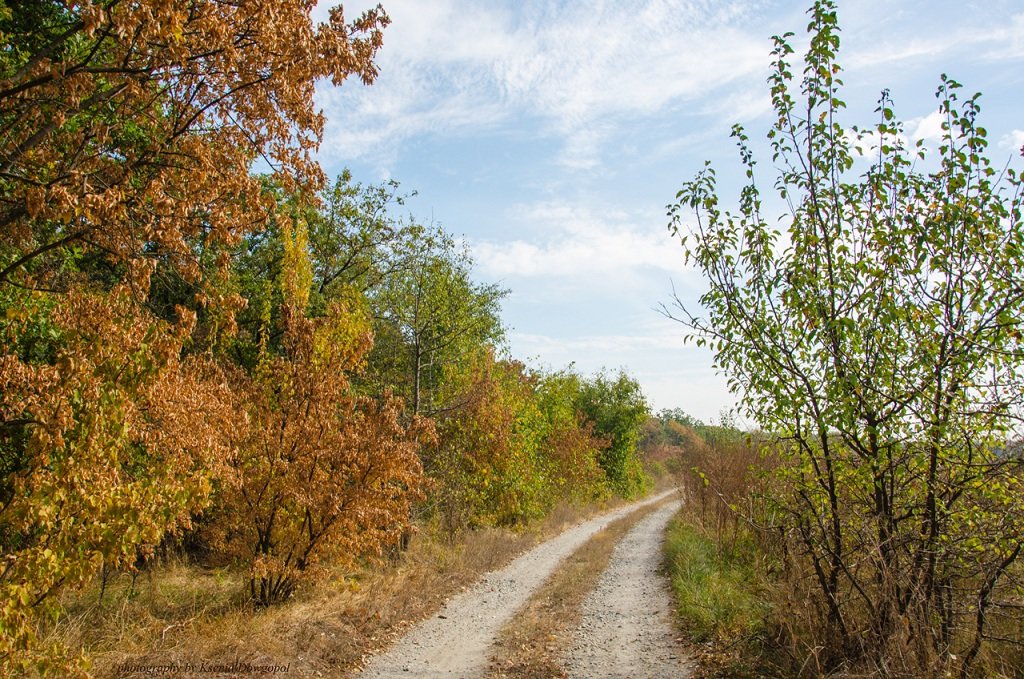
x: 902, y: 50
x: 576, y: 346
x: 1007, y: 40
x: 1014, y: 140
x: 588, y: 70
x: 642, y: 341
x: 582, y: 148
x: 929, y: 128
x: 921, y: 31
x: 579, y: 243
x: 581, y: 68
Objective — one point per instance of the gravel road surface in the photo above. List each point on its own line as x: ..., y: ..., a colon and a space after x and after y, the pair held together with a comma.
x: 455, y: 642
x: 626, y: 630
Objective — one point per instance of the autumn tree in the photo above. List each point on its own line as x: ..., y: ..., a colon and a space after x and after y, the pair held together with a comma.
x: 106, y: 448
x: 129, y: 127
x: 877, y: 336
x: 128, y: 134
x: 320, y: 473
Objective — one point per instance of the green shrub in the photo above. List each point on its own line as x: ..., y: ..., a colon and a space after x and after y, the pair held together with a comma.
x: 715, y: 588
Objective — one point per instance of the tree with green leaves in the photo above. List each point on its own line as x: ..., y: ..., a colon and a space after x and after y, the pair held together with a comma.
x: 436, y: 314
x: 616, y: 406
x: 355, y: 240
x: 876, y: 333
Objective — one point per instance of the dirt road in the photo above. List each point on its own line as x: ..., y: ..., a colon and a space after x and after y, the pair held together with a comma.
x: 626, y: 631
x: 455, y: 642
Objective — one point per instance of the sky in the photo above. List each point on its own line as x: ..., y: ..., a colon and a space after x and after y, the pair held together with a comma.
x: 550, y: 137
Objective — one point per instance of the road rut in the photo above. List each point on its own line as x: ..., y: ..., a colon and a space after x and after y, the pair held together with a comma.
x: 627, y: 630
x: 456, y: 641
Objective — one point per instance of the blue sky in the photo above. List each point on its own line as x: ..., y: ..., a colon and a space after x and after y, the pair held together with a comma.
x: 551, y: 136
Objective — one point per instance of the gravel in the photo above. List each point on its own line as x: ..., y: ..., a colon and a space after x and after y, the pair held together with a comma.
x: 627, y: 629
x: 455, y: 642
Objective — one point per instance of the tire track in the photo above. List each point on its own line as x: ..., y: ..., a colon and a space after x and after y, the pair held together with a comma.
x: 627, y: 630
x: 456, y: 641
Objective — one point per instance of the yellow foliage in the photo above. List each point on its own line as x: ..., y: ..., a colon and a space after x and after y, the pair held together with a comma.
x: 297, y: 268
x: 121, y: 442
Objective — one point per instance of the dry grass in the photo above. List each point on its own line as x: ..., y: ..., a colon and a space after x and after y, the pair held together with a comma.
x: 181, y: 615
x: 531, y: 644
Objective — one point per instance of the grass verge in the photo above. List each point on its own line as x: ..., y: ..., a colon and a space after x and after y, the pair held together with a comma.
x: 719, y: 603
x: 532, y: 643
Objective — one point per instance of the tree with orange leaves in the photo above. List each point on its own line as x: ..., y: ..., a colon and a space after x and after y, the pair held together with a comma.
x: 129, y: 128
x: 319, y: 471
x: 106, y: 449
x: 127, y: 135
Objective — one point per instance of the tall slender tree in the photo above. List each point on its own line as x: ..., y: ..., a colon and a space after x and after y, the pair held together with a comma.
x: 879, y: 337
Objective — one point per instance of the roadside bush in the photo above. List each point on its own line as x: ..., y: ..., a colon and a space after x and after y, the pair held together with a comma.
x: 106, y: 450
x: 487, y: 457
x: 319, y: 472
